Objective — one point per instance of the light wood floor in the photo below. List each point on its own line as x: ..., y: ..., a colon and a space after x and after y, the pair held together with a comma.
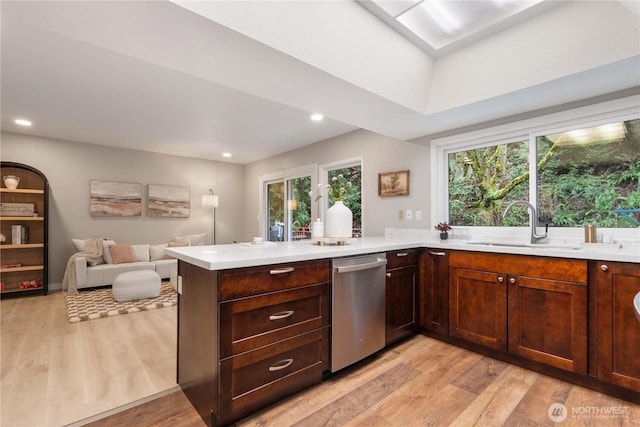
x: 54, y: 372
x: 421, y: 382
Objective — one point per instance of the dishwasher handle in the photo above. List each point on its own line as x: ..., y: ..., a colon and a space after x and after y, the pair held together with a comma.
x: 360, y: 267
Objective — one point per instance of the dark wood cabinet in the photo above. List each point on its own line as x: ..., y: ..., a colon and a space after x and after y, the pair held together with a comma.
x: 617, y: 331
x: 534, y: 307
x: 548, y: 321
x: 433, y: 295
x: 401, y: 283
x: 25, y: 212
x: 478, y: 306
x: 249, y: 337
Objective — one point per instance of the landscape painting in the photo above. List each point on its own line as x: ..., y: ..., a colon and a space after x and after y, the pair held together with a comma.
x: 168, y: 201
x: 394, y: 183
x: 115, y: 199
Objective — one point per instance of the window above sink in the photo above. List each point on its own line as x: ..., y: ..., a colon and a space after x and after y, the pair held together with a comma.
x: 585, y: 169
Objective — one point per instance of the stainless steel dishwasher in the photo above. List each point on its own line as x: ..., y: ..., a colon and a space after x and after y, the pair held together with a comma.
x: 357, y: 308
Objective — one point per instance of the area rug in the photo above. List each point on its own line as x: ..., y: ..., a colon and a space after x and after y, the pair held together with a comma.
x: 96, y: 304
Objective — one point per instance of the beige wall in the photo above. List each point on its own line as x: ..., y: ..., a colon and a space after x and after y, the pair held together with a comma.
x: 379, y: 153
x: 70, y: 167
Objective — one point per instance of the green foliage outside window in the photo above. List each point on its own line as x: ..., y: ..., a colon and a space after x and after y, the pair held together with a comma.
x: 483, y: 181
x: 582, y: 176
x: 300, y: 188
x: 352, y: 196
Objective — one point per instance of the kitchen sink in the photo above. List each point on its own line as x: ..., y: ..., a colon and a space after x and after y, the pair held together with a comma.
x: 524, y: 245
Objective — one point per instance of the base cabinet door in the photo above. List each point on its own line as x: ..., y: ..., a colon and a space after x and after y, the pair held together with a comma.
x: 617, y: 329
x: 548, y: 322
x: 400, y: 296
x: 400, y: 303
x: 478, y: 307
x: 433, y: 308
x: 543, y: 300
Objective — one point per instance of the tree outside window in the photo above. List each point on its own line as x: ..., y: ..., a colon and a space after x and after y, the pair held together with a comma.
x: 587, y: 175
x: 352, y: 196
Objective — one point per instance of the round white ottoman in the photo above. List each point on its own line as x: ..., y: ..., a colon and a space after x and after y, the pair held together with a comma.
x: 135, y: 285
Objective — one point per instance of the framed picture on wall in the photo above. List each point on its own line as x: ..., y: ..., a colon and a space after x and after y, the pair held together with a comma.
x: 168, y: 201
x: 395, y: 183
x: 110, y: 198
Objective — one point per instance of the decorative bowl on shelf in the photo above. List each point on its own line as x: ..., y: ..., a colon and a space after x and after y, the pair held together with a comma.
x: 11, y: 181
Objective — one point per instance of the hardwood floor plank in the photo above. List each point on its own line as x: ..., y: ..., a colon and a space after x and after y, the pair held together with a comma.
x: 480, y: 375
x: 171, y: 410
x: 411, y: 409
x: 494, y: 405
x: 53, y: 372
x: 339, y: 412
x: 542, y: 393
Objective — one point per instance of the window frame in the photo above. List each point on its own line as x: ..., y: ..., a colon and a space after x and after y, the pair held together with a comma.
x: 323, y: 177
x: 593, y: 115
x: 285, y: 176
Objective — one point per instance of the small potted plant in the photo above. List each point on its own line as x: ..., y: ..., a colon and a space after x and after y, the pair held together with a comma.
x: 443, y: 228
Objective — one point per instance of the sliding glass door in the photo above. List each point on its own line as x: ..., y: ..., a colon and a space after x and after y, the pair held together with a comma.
x: 287, y: 206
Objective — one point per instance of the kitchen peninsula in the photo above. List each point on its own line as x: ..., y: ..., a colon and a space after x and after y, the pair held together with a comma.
x: 254, y: 322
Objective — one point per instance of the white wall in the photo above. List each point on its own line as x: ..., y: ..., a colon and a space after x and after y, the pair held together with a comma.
x: 570, y: 38
x: 322, y: 33
x: 70, y: 167
x: 379, y: 153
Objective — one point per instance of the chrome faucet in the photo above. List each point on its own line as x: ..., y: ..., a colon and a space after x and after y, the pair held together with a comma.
x: 532, y: 219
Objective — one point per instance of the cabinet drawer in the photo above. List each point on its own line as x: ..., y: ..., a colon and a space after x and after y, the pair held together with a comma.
x: 261, y: 320
x: 242, y: 282
x: 257, y: 378
x: 403, y: 258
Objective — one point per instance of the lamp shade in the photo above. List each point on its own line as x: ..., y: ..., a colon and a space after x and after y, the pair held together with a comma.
x: 209, y: 201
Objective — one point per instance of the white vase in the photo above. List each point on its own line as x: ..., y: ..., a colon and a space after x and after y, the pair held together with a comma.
x: 11, y: 181
x: 338, y: 221
x: 317, y: 229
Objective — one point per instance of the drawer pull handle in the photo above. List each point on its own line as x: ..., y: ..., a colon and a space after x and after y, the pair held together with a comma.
x: 437, y: 253
x: 281, y: 315
x: 388, y: 274
x: 281, y: 365
x: 402, y: 254
x: 282, y: 270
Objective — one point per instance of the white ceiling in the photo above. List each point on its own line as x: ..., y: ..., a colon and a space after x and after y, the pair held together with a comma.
x: 158, y: 77
x: 441, y: 26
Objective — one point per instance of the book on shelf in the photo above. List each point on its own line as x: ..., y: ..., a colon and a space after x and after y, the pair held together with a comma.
x: 16, y: 234
x: 15, y: 265
x: 19, y: 234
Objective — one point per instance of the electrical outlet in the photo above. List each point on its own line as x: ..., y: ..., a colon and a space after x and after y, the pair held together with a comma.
x: 409, y: 214
x: 400, y: 215
x: 418, y: 215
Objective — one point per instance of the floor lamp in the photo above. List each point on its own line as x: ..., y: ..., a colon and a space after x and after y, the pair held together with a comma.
x: 211, y: 201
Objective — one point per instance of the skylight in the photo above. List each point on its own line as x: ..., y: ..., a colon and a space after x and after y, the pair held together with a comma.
x: 441, y: 25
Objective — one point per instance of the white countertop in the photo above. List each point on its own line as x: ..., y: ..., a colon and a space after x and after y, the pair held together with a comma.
x: 223, y: 257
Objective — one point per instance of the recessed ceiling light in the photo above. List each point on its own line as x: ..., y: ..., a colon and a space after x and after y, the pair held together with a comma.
x: 227, y: 155
x: 22, y: 122
x: 316, y: 117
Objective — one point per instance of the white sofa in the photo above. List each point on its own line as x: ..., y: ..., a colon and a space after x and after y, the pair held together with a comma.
x: 148, y: 257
